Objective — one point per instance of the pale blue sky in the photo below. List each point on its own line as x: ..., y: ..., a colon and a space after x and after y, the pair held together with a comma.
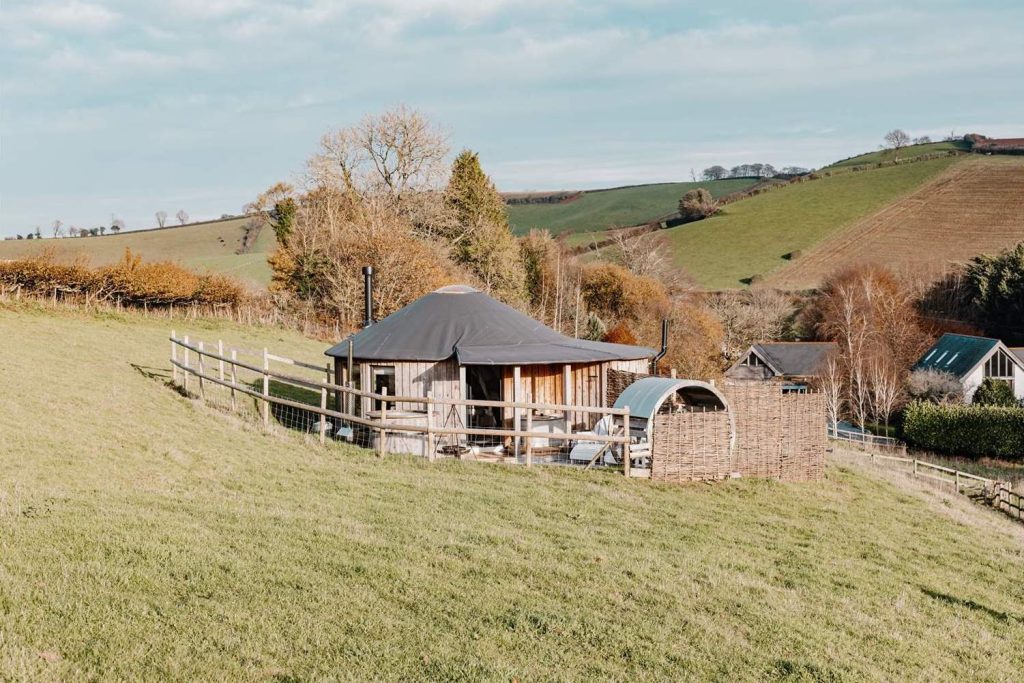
x: 118, y: 107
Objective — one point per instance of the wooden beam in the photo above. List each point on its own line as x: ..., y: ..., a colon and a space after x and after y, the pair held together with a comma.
x: 516, y: 395
x: 567, y: 393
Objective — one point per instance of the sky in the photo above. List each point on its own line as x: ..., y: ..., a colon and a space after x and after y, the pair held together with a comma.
x: 119, y: 108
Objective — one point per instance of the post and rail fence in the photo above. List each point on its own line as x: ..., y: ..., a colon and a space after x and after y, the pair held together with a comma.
x: 998, y: 494
x: 439, y: 429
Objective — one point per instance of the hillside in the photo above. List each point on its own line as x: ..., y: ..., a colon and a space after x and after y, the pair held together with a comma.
x: 909, y: 152
x: 602, y: 209
x: 204, y: 246
x: 145, y: 536
x: 753, y: 237
x: 974, y: 207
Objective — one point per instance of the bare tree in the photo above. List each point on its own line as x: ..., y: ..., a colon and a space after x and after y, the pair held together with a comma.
x: 58, y: 228
x: 161, y: 218
x: 697, y: 204
x: 182, y: 216
x: 750, y: 316
x: 886, y: 387
x: 394, y: 154
x: 830, y: 383
x: 117, y: 226
x: 896, y: 140
x: 923, y: 140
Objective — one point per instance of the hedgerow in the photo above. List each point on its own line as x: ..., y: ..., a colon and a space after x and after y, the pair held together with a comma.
x: 969, y: 430
x: 130, y: 282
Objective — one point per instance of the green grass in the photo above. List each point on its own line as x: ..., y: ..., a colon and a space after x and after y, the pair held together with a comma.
x: 204, y: 246
x: 144, y: 536
x: 596, y: 211
x: 750, y: 237
x: 908, y: 152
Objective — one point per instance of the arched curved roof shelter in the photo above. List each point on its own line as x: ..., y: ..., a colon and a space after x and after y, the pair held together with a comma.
x: 476, y: 329
x: 647, y: 395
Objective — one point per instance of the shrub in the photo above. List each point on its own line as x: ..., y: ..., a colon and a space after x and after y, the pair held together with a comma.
x: 966, y: 430
x: 935, y: 386
x: 129, y: 281
x: 697, y: 204
x: 995, y: 392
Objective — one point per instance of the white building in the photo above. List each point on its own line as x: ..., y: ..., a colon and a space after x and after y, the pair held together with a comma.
x: 974, y: 359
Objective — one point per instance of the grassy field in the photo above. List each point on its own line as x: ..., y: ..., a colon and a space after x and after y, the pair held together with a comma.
x: 145, y: 536
x: 908, y: 152
x: 596, y: 211
x: 204, y: 246
x: 751, y: 237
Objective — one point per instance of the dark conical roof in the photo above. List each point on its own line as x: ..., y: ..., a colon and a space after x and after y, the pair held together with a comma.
x: 477, y: 330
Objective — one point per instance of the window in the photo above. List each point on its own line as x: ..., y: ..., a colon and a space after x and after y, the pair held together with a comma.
x: 382, y: 377
x: 999, y: 366
x: 752, y: 360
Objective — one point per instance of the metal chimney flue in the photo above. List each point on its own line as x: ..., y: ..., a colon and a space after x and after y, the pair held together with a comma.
x: 368, y: 296
x: 664, y: 347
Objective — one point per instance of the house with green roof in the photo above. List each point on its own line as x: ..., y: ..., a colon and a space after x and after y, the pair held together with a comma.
x: 974, y: 359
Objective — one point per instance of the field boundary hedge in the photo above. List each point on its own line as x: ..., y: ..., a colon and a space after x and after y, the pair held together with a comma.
x: 966, y: 429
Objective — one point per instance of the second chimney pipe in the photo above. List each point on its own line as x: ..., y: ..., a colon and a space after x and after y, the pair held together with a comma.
x: 368, y: 295
x: 664, y: 347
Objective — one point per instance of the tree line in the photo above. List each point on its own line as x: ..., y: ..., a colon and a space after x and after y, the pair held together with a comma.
x: 116, y: 225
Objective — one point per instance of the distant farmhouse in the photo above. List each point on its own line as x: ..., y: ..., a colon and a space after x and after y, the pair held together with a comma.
x: 974, y: 359
x: 795, y: 364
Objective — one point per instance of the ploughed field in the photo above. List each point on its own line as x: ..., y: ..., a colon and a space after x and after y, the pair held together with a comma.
x: 976, y: 206
x: 146, y: 536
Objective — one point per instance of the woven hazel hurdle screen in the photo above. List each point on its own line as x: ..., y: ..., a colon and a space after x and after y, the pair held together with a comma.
x: 691, y: 446
x: 778, y: 436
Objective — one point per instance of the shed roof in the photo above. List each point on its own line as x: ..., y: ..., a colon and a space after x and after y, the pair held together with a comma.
x: 956, y: 354
x: 646, y: 395
x: 476, y: 329
x: 794, y: 359
x: 1019, y: 352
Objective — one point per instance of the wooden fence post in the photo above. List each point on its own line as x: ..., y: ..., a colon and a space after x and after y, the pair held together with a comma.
x: 323, y: 415
x: 234, y: 380
x: 382, y: 433
x: 266, y: 387
x: 174, y: 358
x: 626, y: 464
x: 956, y: 476
x: 915, y: 468
x: 529, y: 439
x: 430, y: 426
x: 220, y: 361
x: 202, y: 386
x: 186, y: 373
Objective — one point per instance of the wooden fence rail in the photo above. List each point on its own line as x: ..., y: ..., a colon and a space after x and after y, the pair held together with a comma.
x: 998, y: 493
x: 226, y: 375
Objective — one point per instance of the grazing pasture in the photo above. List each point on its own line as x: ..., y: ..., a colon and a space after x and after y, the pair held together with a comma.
x: 602, y: 209
x: 755, y: 236
x: 974, y: 207
x: 145, y: 536
x: 909, y: 152
x: 208, y: 246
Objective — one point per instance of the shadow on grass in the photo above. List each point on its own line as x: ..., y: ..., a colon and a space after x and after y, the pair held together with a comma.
x: 970, y: 604
x: 161, y: 375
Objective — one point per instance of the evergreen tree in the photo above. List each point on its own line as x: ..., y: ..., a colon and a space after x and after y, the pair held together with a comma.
x: 480, y: 236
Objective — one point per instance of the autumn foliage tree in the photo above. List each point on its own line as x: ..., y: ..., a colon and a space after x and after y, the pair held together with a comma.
x: 871, y: 315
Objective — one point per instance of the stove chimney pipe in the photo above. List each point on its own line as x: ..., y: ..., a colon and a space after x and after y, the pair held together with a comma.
x: 368, y: 295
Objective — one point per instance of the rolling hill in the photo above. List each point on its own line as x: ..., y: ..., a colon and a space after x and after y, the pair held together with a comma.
x: 210, y: 246
x: 597, y: 210
x: 909, y: 152
x: 974, y: 207
x: 146, y: 536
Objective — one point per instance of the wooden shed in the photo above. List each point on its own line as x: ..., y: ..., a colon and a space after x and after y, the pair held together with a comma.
x: 458, y: 342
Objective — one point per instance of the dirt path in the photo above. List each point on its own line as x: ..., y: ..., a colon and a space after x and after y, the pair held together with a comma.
x: 977, y: 206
